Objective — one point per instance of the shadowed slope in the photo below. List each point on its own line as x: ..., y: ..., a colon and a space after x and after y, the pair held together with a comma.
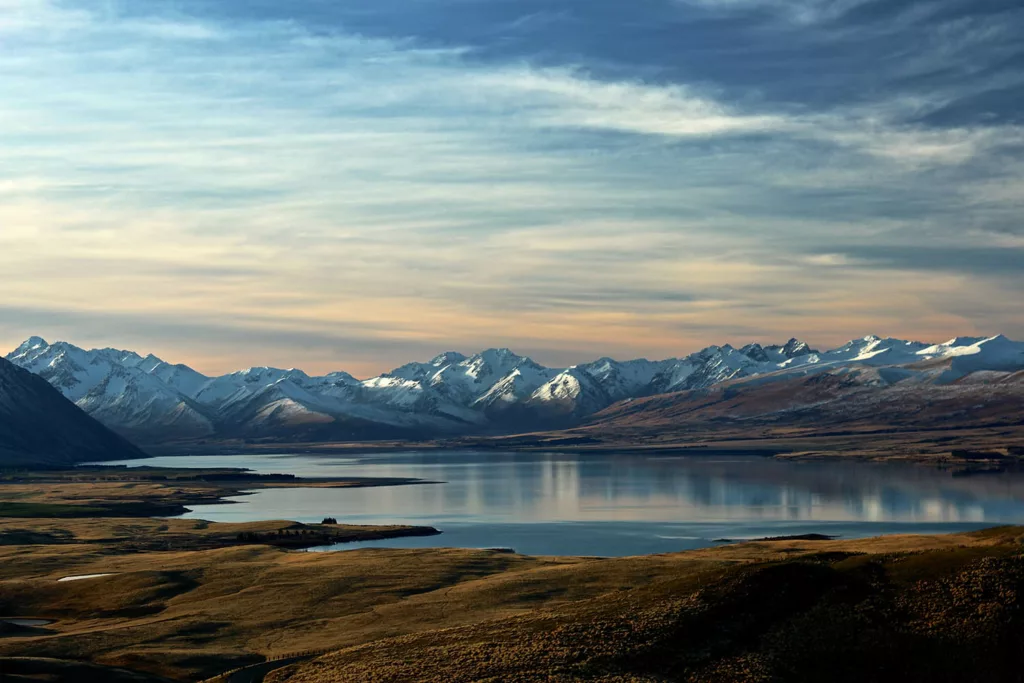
x: 38, y: 426
x: 826, y: 400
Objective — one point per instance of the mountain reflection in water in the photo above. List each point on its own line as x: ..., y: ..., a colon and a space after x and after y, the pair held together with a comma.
x: 620, y: 504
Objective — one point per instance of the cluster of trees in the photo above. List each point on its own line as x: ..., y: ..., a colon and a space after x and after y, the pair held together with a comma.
x: 271, y: 536
x: 255, y: 537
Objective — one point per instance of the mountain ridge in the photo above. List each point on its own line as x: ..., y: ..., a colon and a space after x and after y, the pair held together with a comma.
x: 495, y: 390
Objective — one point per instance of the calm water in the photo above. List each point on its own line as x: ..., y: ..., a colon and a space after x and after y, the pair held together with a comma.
x: 33, y: 623
x: 618, y: 505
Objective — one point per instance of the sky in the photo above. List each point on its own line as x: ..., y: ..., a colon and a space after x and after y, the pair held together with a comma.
x: 333, y: 184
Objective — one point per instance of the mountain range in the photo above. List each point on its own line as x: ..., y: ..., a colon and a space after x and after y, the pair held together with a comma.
x: 961, y: 394
x: 494, y: 391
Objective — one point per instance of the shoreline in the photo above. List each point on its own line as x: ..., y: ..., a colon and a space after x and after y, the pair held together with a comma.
x: 120, y: 491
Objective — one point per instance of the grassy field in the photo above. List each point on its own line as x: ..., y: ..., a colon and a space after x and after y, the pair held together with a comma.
x: 950, y: 614
x: 782, y: 610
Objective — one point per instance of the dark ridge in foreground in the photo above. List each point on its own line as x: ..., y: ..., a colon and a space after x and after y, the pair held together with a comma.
x: 26, y: 669
x: 38, y: 426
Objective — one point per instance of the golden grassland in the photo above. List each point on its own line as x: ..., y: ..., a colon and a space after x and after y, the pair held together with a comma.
x: 949, y: 614
x: 727, y: 613
x: 188, y: 600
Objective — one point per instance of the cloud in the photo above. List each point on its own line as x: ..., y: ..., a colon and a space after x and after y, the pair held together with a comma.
x: 977, y: 261
x: 563, y: 98
x: 211, y: 342
x: 387, y: 182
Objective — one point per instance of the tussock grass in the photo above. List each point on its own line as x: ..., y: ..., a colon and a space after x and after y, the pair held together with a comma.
x: 816, y: 616
x: 783, y: 610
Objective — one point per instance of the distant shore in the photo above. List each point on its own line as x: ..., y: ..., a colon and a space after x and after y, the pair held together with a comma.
x: 965, y: 450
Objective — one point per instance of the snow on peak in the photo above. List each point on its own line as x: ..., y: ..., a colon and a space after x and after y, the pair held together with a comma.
x: 968, y: 345
x: 31, y: 344
x: 794, y: 347
x: 516, y: 386
x: 269, y: 374
x: 962, y: 341
x: 572, y: 391
x: 502, y: 355
x: 447, y: 358
x: 973, y: 354
x: 755, y: 352
x: 127, y: 390
x: 493, y: 363
x: 340, y: 376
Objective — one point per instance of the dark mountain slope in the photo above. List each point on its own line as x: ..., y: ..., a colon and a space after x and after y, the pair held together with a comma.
x: 821, y: 402
x: 868, y: 412
x: 38, y: 426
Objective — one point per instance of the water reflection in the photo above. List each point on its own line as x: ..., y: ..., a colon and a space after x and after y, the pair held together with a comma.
x: 527, y: 497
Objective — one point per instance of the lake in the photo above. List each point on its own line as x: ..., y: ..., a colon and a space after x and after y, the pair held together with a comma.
x: 616, y: 505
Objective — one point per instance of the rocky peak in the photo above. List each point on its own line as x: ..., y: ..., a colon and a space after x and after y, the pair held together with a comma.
x: 795, y: 348
x: 755, y: 352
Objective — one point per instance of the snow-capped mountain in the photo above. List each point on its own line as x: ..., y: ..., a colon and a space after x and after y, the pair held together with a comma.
x: 125, y: 391
x: 868, y: 386
x: 572, y: 393
x: 492, y: 390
